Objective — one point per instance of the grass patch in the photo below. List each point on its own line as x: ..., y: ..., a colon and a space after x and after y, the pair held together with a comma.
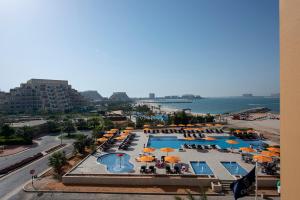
x: 15, y: 140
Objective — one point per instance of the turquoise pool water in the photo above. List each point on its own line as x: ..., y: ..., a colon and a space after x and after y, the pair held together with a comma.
x: 234, y: 168
x: 201, y: 168
x: 173, y: 142
x: 115, y: 163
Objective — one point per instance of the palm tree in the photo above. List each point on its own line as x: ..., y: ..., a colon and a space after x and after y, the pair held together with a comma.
x: 57, y: 160
x: 96, y: 130
x: 69, y: 127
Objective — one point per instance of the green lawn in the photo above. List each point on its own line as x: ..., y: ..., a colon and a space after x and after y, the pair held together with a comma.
x: 14, y: 140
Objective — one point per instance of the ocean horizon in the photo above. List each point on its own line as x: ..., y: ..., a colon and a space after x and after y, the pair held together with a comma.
x: 220, y: 105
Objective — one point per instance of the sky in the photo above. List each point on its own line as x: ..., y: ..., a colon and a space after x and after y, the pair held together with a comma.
x: 170, y: 47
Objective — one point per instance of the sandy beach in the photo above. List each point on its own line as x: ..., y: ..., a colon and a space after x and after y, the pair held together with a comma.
x: 270, y: 128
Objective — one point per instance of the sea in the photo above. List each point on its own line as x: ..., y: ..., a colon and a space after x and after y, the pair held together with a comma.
x: 221, y: 105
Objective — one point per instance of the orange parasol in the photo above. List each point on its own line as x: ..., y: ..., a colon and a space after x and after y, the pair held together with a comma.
x: 190, y: 125
x: 261, y: 158
x: 120, y: 138
x: 208, y: 125
x: 173, y: 125
x: 181, y: 125
x: 209, y: 138
x: 231, y: 142
x: 189, y: 138
x: 269, y: 153
x: 148, y: 150
x: 167, y: 150
x: 238, y: 131
x: 172, y: 159
x: 146, y: 159
x: 102, y: 139
x: 129, y: 128
x: 160, y: 125
x: 108, y: 135
x: 247, y: 149
x: 274, y: 149
x: 146, y: 125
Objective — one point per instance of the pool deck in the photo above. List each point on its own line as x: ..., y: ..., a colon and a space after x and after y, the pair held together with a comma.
x: 211, y: 157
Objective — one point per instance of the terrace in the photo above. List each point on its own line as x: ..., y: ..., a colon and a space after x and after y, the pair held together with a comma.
x: 106, y: 166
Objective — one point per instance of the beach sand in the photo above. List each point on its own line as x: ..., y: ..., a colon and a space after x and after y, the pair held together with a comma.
x: 270, y: 128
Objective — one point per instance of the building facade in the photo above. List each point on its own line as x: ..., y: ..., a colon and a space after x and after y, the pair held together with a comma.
x: 151, y: 96
x: 42, y: 95
x: 119, y: 96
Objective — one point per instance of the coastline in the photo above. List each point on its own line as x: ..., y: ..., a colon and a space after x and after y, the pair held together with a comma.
x: 165, y: 109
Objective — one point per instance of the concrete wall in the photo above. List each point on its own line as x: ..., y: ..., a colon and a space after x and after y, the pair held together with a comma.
x: 138, y: 180
x: 267, y: 181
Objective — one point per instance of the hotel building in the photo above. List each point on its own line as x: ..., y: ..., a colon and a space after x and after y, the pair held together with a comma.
x: 42, y: 95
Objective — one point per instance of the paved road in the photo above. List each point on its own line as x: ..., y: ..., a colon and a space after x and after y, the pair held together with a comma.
x: 44, y: 143
x: 73, y: 196
x: 12, y: 183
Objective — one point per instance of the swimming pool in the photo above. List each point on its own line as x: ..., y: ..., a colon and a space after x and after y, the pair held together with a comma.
x: 173, y: 142
x: 201, y: 168
x: 116, y: 163
x: 234, y: 168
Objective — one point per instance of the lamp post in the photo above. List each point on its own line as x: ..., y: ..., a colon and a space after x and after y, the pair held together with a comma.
x: 61, y: 136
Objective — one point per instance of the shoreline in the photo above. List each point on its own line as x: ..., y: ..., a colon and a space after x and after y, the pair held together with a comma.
x: 168, y: 110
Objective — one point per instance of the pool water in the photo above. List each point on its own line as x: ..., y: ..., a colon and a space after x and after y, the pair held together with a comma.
x: 173, y: 142
x: 234, y: 168
x: 115, y: 163
x: 201, y: 168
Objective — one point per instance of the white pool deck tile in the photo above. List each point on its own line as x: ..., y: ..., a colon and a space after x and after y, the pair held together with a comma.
x: 212, y: 158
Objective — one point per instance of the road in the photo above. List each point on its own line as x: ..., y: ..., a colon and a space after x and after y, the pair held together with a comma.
x: 12, y: 184
x: 44, y: 143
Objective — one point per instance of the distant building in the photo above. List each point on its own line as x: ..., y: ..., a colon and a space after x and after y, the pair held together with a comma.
x: 42, y: 95
x: 151, y: 96
x: 188, y: 96
x: 248, y: 95
x: 119, y: 96
x: 92, y: 95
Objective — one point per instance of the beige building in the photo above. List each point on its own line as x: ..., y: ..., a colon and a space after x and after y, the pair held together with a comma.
x: 42, y: 95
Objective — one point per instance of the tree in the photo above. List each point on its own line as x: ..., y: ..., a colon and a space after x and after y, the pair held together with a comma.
x: 26, y: 132
x: 7, y: 131
x: 69, y: 127
x: 108, y: 124
x: 57, y: 160
x: 93, y: 122
x: 96, y: 131
x: 82, y: 142
x: 53, y: 126
x: 82, y: 124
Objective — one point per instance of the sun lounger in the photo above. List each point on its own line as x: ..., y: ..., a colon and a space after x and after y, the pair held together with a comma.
x: 194, y: 135
x: 193, y: 146
x: 168, y: 169
x: 177, y: 170
x: 143, y: 169
x: 152, y: 169
x: 199, y: 147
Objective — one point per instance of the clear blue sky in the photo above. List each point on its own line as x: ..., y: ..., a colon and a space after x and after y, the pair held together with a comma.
x: 205, y: 47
